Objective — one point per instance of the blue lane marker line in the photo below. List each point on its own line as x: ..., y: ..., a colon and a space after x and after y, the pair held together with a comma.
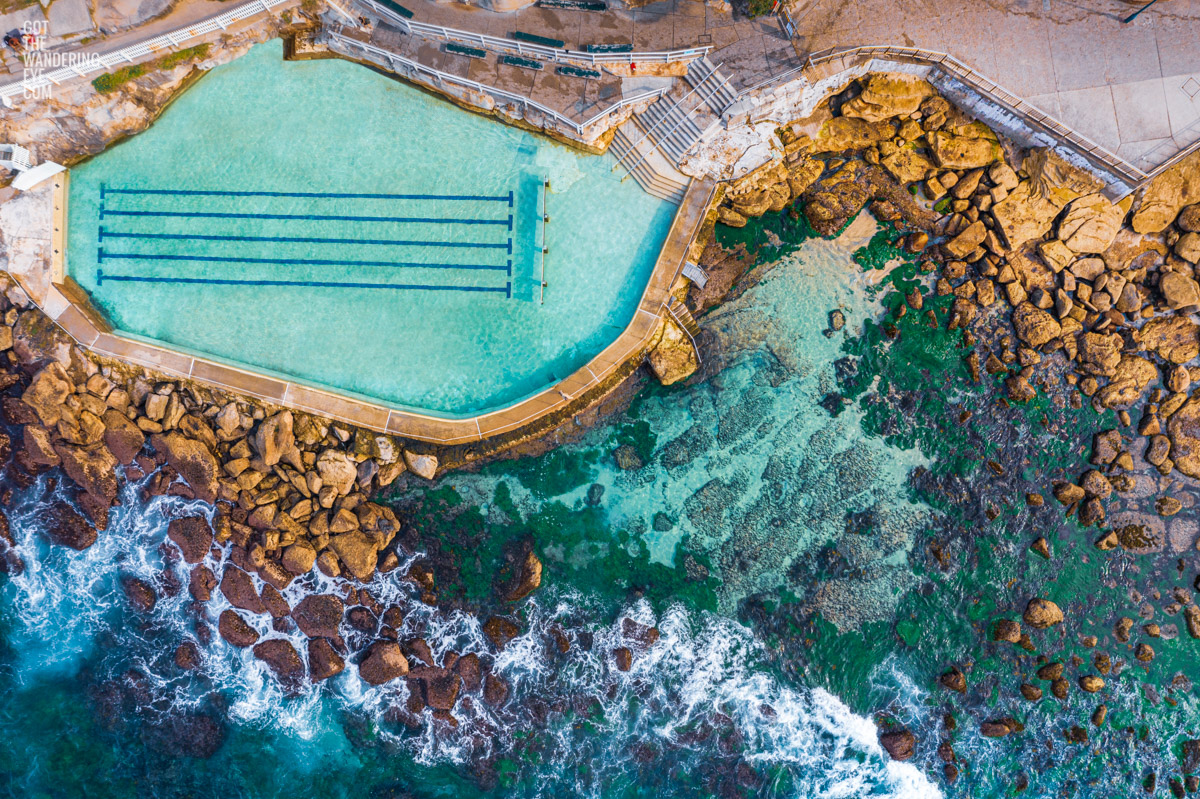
x: 111, y: 234
x: 315, y: 194
x: 133, y: 256
x: 311, y: 217
x: 101, y: 277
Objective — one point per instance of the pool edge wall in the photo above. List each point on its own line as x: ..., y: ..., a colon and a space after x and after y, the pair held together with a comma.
x: 68, y: 305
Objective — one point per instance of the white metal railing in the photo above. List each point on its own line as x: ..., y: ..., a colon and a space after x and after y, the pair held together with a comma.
x: 394, y: 60
x: 528, y: 48
x: 128, y: 55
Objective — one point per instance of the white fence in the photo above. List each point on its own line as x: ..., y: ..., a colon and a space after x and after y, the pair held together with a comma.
x: 160, y: 44
x: 529, y: 49
x: 408, y: 67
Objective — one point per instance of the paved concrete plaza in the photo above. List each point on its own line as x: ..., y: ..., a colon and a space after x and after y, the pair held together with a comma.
x: 1132, y: 88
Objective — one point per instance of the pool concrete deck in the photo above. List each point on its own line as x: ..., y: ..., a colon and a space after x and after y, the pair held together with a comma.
x: 67, y: 305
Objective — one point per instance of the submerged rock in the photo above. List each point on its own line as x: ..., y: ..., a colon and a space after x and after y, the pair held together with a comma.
x: 140, y: 594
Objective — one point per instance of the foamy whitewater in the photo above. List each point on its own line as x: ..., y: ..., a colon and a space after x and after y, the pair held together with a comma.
x: 69, y: 610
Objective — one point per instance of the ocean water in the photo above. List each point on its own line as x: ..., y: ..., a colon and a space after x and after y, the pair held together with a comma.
x: 807, y: 523
x: 323, y: 222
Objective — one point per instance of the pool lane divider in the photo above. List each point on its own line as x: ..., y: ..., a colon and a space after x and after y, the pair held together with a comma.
x: 508, y: 198
x: 112, y: 234
x: 101, y: 255
x: 506, y: 290
x: 310, y: 217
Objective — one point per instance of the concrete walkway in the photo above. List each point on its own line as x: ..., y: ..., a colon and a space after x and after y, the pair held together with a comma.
x: 751, y: 50
x: 1132, y: 88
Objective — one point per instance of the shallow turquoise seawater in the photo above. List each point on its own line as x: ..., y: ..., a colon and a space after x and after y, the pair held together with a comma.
x: 706, y: 712
x: 409, y: 270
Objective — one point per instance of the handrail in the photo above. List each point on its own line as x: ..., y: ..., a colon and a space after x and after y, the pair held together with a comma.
x: 167, y: 41
x: 994, y: 91
x: 663, y: 118
x: 578, y: 127
x: 525, y: 48
x: 670, y: 306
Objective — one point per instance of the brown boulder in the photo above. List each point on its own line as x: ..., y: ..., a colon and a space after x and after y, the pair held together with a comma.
x: 201, y: 583
x: 383, y: 663
x: 194, y: 462
x: 47, y: 392
x: 92, y: 468
x: 529, y: 579
x: 495, y: 690
x: 439, y: 686
x: 192, y: 535
x: 65, y: 527
x: 1160, y: 201
x: 323, y: 660
x: 357, y: 552
x: 1042, y: 613
x: 1179, y: 290
x: 1183, y: 431
x: 274, y: 438
x: 469, y: 670
x: 140, y: 594
x: 1128, y: 382
x: 122, y: 437
x: 39, y: 445
x: 500, y: 631
x: 319, y: 615
x: 282, y: 658
x: 299, y: 558
x: 235, y: 630
x: 238, y: 587
x: 1174, y: 338
x: 965, y: 243
x: 899, y: 744
x: 885, y: 95
x: 187, y: 656
x: 1034, y: 326
x: 1090, y: 224
x: 273, y: 602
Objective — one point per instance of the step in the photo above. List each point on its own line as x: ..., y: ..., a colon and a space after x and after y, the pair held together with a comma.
x: 642, y: 170
x: 669, y: 127
x: 710, y: 84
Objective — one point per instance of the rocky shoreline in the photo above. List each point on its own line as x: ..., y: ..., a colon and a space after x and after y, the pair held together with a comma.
x: 1055, y: 289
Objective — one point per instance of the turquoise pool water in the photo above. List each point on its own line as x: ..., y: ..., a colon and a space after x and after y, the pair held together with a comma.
x: 319, y: 221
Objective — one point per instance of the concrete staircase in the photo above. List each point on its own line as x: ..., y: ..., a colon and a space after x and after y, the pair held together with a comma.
x: 710, y: 85
x: 640, y: 159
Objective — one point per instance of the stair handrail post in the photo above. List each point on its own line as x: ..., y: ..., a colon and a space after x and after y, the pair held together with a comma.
x: 646, y: 135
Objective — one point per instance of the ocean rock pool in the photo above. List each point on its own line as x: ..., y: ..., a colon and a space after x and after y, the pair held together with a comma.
x: 321, y: 222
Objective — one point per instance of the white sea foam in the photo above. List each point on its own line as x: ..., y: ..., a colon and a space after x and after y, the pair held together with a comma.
x: 705, y: 669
